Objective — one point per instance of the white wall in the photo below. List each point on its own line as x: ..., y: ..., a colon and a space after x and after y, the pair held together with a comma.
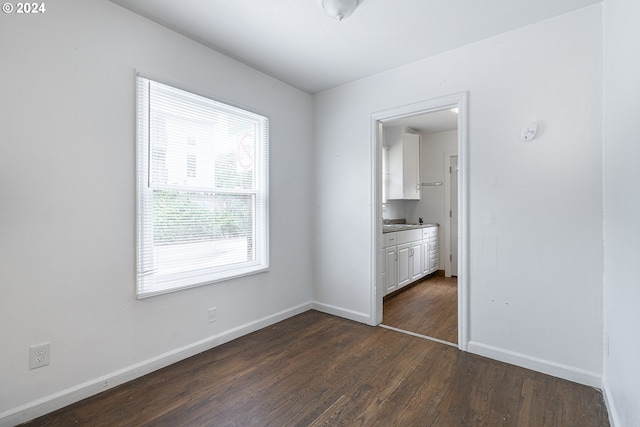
x: 535, y: 208
x: 435, y: 150
x: 395, y: 209
x: 622, y: 210
x: 67, y: 203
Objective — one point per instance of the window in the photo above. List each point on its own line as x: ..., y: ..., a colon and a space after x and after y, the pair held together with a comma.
x: 202, y: 190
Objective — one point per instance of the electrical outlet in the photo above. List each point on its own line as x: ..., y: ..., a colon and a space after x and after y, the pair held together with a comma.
x: 212, y: 314
x: 39, y: 355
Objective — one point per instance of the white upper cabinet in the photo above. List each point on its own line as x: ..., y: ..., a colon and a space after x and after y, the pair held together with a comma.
x: 403, y: 181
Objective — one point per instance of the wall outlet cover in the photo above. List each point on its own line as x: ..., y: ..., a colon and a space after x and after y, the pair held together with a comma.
x: 212, y: 314
x: 39, y: 355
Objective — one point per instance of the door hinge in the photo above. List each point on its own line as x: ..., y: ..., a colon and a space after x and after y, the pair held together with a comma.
x: 450, y: 257
x: 450, y: 214
x: 449, y: 169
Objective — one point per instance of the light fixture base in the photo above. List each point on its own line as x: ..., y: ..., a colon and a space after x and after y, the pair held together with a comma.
x: 339, y: 9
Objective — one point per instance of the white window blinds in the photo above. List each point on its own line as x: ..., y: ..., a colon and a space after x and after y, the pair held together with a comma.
x: 202, y: 190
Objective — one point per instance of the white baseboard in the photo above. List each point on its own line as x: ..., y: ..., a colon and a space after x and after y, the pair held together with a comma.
x: 342, y: 312
x: 559, y: 370
x: 614, y: 419
x: 74, y: 394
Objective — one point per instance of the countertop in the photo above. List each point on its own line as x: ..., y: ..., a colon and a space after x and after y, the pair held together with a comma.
x: 390, y: 228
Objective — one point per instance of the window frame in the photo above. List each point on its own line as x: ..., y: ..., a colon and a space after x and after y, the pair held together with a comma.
x: 148, y: 283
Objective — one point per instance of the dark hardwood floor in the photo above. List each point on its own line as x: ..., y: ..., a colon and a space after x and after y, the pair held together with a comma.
x: 430, y: 307
x: 319, y: 370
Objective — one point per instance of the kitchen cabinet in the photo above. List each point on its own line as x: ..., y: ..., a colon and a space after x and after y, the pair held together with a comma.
x: 431, y: 254
x: 434, y: 254
x: 390, y: 262
x: 403, y: 166
x: 415, y: 262
x: 408, y: 256
x: 390, y: 272
x: 404, y: 265
x: 426, y: 255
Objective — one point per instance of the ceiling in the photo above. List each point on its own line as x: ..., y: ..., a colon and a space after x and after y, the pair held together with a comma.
x: 296, y: 42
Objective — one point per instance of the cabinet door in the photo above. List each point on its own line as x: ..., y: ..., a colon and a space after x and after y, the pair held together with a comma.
x: 434, y: 253
x: 391, y: 270
x: 426, y: 257
x: 404, y: 269
x: 395, y: 171
x: 403, y: 166
x: 411, y: 166
x: 434, y: 264
x: 416, y: 260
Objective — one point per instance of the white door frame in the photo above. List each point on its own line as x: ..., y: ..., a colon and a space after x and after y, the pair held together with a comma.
x: 459, y: 100
x: 448, y: 263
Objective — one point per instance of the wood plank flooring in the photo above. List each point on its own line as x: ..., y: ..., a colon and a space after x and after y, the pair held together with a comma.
x: 429, y: 308
x: 319, y: 370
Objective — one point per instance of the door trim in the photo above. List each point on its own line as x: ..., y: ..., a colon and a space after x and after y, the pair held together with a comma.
x: 447, y: 207
x: 459, y: 100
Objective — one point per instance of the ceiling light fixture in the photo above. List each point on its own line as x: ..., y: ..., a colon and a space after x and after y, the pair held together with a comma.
x: 339, y: 9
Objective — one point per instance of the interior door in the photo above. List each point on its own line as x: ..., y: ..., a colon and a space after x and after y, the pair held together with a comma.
x: 454, y: 215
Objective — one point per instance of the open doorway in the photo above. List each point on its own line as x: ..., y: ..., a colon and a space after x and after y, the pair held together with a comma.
x: 423, y: 297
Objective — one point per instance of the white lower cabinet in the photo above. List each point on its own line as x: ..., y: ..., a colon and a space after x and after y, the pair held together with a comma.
x: 434, y: 255
x: 431, y: 254
x: 408, y: 256
x: 426, y: 257
x: 434, y: 252
x: 415, y: 261
x: 390, y: 273
x: 404, y: 264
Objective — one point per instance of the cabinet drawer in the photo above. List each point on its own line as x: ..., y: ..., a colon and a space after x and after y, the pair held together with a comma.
x: 430, y: 232
x: 426, y: 232
x: 409, y: 236
x: 390, y: 239
x: 433, y: 263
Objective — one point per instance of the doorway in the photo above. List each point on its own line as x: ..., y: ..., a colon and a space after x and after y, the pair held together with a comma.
x: 419, y: 299
x: 427, y: 308
x: 395, y: 116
